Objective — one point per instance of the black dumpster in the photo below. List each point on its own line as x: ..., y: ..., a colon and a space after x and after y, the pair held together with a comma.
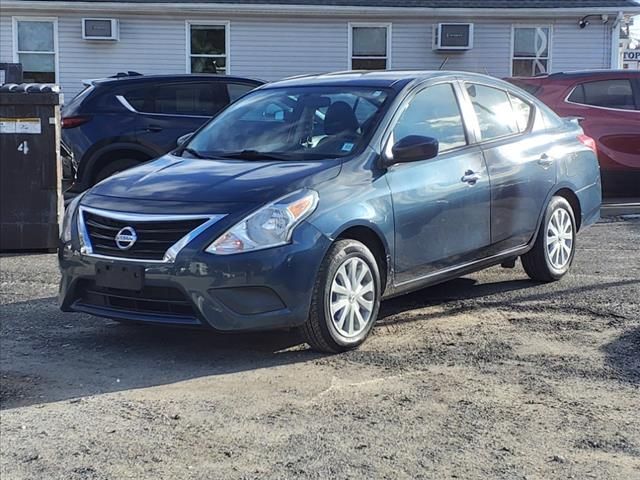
x: 30, y: 167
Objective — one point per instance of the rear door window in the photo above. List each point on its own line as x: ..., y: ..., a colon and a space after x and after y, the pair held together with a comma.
x: 493, y: 110
x: 140, y: 98
x: 616, y: 93
x: 203, y: 99
x: 523, y: 112
x: 197, y: 99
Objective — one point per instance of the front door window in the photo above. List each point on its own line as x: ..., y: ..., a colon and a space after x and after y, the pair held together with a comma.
x: 433, y: 112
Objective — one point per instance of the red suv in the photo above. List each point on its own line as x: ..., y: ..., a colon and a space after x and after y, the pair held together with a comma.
x: 608, y: 102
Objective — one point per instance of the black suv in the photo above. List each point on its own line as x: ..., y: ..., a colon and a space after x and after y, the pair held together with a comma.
x: 121, y: 121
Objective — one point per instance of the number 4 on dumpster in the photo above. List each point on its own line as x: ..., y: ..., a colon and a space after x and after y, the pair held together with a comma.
x: 24, y: 147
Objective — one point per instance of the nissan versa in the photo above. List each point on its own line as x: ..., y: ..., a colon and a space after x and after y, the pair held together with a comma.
x: 309, y: 200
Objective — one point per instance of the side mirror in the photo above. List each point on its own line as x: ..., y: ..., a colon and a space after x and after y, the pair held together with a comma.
x: 412, y: 149
x: 184, y: 138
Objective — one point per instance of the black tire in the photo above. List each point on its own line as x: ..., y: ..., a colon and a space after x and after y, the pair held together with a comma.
x: 537, y: 262
x: 319, y: 331
x: 114, y: 167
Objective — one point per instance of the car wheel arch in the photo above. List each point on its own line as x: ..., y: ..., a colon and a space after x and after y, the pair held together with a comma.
x: 376, y: 243
x: 569, y: 195
x: 566, y: 191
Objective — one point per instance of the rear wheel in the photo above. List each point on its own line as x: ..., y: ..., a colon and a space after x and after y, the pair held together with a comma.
x: 346, y: 298
x: 114, y: 167
x: 552, y: 254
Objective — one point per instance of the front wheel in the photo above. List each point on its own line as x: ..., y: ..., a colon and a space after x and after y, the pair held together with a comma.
x: 346, y: 299
x: 554, y: 248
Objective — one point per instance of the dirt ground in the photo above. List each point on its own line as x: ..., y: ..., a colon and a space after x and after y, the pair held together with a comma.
x: 490, y: 376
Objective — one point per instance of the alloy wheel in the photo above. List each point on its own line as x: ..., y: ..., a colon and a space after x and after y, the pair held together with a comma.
x: 559, y: 239
x: 352, y: 297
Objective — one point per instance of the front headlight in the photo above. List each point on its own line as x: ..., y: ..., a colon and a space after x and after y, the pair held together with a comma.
x: 270, y: 226
x: 69, y: 213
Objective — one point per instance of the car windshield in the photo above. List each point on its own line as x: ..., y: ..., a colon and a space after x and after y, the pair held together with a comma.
x: 303, y: 123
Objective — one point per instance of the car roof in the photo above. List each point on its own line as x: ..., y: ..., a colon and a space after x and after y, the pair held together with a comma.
x: 134, y: 78
x: 396, y: 79
x: 581, y: 74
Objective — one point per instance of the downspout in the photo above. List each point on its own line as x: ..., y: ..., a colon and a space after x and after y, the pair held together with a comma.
x: 615, y: 41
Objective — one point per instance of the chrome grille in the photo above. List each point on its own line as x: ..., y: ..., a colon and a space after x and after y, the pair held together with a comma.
x: 156, y: 235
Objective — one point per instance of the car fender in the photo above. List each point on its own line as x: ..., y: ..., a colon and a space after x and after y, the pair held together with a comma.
x: 369, y: 208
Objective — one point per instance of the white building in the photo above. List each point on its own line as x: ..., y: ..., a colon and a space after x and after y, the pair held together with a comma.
x: 58, y: 41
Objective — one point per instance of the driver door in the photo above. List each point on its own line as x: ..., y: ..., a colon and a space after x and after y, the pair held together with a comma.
x: 442, y: 205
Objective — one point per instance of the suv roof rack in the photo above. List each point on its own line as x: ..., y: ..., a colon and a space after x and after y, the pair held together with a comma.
x: 126, y: 74
x: 92, y: 81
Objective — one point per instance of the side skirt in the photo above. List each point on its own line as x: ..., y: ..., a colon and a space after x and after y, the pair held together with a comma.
x: 453, y: 272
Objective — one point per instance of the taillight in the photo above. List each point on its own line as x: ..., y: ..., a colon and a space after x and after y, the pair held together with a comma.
x: 71, y: 122
x: 589, y: 142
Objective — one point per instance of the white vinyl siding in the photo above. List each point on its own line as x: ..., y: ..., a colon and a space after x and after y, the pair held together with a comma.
x: 147, y: 45
x: 6, y: 39
x: 275, y: 47
x: 571, y: 50
x: 413, y: 48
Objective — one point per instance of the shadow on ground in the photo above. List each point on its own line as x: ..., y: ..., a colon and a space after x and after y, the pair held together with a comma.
x: 55, y: 356
x: 48, y: 355
x: 464, y: 288
x: 623, y: 355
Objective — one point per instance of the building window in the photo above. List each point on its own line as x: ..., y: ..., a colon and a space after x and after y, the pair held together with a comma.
x: 531, y: 47
x: 35, y: 45
x: 207, y: 46
x: 370, y: 46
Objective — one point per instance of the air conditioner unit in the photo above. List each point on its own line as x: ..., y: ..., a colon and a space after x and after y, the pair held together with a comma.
x: 100, y: 29
x: 454, y: 36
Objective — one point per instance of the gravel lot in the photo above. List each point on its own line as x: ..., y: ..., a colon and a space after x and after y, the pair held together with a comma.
x: 490, y: 376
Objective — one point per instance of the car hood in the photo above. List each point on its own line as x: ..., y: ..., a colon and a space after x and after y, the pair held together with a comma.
x: 177, y: 179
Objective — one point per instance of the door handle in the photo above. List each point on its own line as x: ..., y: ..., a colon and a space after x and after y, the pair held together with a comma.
x: 470, y: 177
x: 545, y: 160
x: 153, y: 128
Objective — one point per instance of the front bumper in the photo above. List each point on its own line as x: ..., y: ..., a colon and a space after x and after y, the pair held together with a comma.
x: 259, y: 290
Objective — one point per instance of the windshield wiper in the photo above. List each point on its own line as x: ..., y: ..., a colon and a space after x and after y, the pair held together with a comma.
x: 195, y: 153
x: 252, y: 155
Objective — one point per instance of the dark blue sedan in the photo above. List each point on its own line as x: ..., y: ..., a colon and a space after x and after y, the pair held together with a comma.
x: 310, y: 200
